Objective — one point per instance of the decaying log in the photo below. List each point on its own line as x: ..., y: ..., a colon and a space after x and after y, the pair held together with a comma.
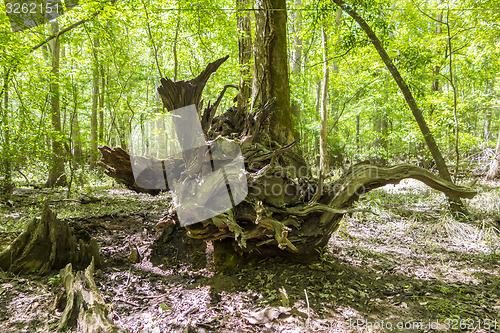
x: 116, y: 164
x: 48, y: 243
x: 284, y: 212
x: 85, y: 310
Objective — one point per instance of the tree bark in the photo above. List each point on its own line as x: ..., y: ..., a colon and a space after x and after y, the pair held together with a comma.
x: 57, y: 176
x: 245, y: 52
x: 270, y: 78
x: 455, y: 203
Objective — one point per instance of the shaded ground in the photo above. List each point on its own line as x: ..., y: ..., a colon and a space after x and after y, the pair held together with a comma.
x: 410, y: 264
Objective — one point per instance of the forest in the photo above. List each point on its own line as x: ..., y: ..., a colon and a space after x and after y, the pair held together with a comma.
x: 249, y: 166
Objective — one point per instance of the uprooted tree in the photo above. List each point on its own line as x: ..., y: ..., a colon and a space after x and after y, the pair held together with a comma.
x: 287, y: 210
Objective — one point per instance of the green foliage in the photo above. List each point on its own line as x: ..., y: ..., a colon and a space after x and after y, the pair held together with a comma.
x: 134, y: 35
x: 416, y: 48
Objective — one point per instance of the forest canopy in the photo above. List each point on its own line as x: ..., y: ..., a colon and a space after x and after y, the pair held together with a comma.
x: 111, y: 55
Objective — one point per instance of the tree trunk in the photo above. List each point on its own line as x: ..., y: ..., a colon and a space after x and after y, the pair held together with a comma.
x: 57, y: 176
x: 487, y: 124
x: 437, y: 68
x: 323, y: 148
x: 494, y: 171
x: 317, y: 116
x: 297, y: 40
x: 6, y: 185
x: 176, y: 39
x: 297, y: 58
x: 95, y: 106
x: 357, y: 134
x: 76, y: 139
x: 270, y: 80
x: 454, y: 89
x: 382, y: 129
x: 455, y: 203
x: 101, y: 103
x: 244, y: 52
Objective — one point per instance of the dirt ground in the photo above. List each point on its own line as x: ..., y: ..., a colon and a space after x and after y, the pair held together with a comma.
x: 409, y: 267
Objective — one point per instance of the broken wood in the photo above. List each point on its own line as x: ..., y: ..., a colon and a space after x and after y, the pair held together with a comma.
x: 117, y: 165
x: 176, y: 95
x: 84, y: 310
x: 47, y: 243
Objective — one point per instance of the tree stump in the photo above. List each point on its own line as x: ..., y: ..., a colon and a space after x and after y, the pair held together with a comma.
x: 47, y: 243
x: 84, y: 308
x: 287, y: 211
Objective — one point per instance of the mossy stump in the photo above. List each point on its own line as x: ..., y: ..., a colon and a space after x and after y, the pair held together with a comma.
x: 47, y: 243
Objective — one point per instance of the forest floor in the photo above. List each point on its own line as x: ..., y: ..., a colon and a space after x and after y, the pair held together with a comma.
x: 410, y: 267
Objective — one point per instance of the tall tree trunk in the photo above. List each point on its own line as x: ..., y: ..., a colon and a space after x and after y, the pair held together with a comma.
x: 494, y: 171
x: 6, y: 185
x: 270, y: 78
x: 437, y: 68
x: 382, y: 128
x: 297, y: 55
x: 487, y: 124
x: 244, y: 52
x: 57, y: 177
x: 357, y: 134
x: 323, y: 149
x: 101, y: 103
x: 317, y: 117
x: 76, y: 138
x: 297, y: 40
x: 488, y: 90
x: 455, y: 202
x: 453, y: 86
x: 176, y: 38
x: 95, y: 105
